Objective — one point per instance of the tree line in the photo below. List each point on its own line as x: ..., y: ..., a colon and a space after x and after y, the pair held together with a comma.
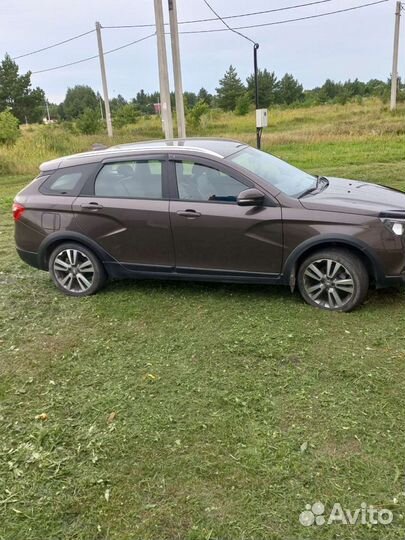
x: 86, y: 106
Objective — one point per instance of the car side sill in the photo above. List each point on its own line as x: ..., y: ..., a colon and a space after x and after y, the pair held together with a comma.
x: 122, y: 271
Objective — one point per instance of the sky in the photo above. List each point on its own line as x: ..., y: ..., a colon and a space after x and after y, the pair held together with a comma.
x: 342, y: 46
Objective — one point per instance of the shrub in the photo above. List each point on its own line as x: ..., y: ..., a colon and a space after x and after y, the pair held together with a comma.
x: 55, y: 139
x: 69, y: 127
x: 9, y: 130
x: 242, y: 105
x: 127, y: 114
x: 89, y: 122
x: 195, y: 114
x: 342, y: 98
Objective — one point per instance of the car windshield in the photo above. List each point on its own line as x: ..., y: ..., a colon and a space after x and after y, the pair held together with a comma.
x: 282, y: 175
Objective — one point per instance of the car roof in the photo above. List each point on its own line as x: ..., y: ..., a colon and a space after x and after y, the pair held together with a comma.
x: 218, y: 148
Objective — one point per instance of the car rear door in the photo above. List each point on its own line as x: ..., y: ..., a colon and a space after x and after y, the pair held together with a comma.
x: 211, y: 231
x: 126, y: 211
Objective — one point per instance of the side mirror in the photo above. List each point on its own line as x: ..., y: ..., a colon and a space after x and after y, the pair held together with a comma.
x: 250, y: 197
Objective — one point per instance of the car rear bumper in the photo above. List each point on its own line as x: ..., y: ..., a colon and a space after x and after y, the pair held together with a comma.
x: 29, y: 257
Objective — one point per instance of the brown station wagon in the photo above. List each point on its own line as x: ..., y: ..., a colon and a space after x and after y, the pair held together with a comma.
x: 213, y: 210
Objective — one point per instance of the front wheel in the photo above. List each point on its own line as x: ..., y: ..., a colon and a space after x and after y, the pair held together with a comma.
x: 75, y: 270
x: 333, y: 279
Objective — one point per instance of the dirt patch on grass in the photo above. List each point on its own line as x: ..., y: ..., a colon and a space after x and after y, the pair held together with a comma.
x: 337, y: 449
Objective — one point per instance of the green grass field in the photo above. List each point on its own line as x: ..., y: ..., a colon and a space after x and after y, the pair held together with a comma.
x: 201, y: 411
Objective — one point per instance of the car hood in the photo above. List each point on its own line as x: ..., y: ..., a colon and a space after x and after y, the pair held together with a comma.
x: 354, y: 197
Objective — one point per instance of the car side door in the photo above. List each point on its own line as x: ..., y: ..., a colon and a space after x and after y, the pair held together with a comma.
x: 125, y: 209
x: 211, y: 232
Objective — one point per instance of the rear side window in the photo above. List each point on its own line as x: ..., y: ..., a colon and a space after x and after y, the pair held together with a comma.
x: 67, y: 181
x: 141, y: 179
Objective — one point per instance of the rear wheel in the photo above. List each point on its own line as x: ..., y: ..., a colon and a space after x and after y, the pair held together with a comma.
x: 333, y: 279
x: 75, y: 270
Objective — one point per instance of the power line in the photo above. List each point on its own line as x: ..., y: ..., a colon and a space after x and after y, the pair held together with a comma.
x: 250, y: 14
x: 263, y: 12
x: 286, y: 20
x: 273, y: 23
x: 227, y: 25
x: 65, y: 65
x: 95, y: 56
x: 53, y: 45
x: 130, y: 43
x: 210, y: 19
x: 206, y: 31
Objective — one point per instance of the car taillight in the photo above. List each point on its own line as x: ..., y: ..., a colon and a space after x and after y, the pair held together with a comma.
x: 18, y: 210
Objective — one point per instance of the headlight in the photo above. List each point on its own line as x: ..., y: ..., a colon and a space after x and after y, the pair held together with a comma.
x: 397, y: 226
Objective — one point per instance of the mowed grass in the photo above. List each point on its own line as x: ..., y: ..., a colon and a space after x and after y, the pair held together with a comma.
x: 203, y: 411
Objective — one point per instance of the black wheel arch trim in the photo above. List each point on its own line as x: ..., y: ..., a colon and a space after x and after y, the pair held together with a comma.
x: 70, y: 236
x: 289, y: 269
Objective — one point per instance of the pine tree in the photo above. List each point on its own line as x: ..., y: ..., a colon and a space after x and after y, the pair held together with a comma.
x: 204, y: 96
x: 290, y: 90
x: 229, y: 90
x: 268, y: 87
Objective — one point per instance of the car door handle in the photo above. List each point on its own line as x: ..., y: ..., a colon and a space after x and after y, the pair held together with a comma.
x: 92, y: 206
x: 188, y: 213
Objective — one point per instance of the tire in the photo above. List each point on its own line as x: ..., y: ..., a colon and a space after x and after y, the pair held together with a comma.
x: 75, y: 270
x: 333, y: 279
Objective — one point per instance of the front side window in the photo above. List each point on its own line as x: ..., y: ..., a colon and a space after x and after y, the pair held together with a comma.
x: 130, y: 180
x: 201, y: 183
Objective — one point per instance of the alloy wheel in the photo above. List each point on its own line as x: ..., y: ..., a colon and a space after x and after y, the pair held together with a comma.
x: 73, y: 270
x: 329, y: 283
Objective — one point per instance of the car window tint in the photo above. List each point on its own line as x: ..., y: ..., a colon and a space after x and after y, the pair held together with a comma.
x: 201, y: 183
x: 130, y: 180
x: 67, y: 181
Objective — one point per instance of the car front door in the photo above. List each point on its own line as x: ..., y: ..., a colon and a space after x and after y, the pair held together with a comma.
x: 211, y: 231
x: 127, y: 213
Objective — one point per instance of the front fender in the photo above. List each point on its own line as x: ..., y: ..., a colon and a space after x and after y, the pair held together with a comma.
x: 324, y: 240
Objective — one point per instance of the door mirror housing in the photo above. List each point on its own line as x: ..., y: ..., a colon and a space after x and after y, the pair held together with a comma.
x: 250, y: 197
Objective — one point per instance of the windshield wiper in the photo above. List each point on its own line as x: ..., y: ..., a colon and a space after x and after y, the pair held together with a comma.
x: 309, y: 190
x: 324, y: 180
x: 316, y: 187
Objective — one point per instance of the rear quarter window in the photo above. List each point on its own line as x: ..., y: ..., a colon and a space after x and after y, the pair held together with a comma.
x: 67, y: 181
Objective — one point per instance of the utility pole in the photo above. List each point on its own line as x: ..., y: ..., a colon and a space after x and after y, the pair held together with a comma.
x: 259, y: 130
x: 394, y: 74
x: 104, y: 80
x: 261, y: 115
x: 47, y: 110
x: 165, y: 107
x: 178, y: 83
x: 101, y: 107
